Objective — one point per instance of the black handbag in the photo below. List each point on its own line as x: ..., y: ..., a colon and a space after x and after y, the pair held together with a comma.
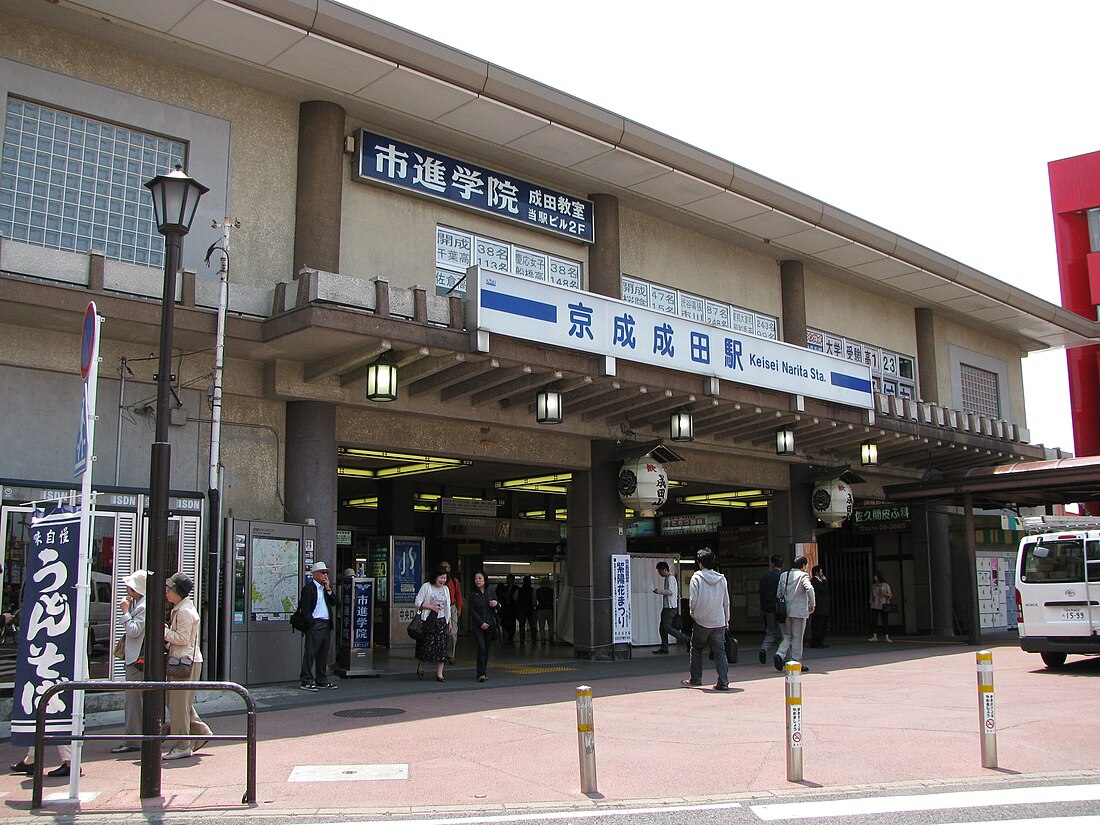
x: 781, y: 604
x: 731, y: 648
x: 416, y: 627
x: 298, y: 621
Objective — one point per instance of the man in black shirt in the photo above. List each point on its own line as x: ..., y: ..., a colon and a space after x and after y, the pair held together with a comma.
x: 769, y: 585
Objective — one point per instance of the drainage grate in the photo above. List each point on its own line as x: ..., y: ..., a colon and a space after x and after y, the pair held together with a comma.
x: 530, y: 670
x: 367, y: 713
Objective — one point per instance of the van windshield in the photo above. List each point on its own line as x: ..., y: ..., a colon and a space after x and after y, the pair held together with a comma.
x: 1059, y: 562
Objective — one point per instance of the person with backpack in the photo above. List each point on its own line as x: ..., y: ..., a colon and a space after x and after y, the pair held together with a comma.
x: 797, y: 591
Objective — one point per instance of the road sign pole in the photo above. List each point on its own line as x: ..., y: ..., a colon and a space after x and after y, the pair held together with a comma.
x: 987, y: 709
x: 794, y: 721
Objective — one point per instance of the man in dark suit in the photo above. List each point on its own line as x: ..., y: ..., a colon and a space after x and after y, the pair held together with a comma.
x: 317, y: 603
x: 819, y: 624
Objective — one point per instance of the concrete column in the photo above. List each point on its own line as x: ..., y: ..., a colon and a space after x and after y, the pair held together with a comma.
x: 395, y: 507
x: 320, y: 186
x: 790, y: 516
x: 604, y: 258
x: 927, y: 371
x: 792, y: 281
x: 596, y: 532
x: 311, y: 471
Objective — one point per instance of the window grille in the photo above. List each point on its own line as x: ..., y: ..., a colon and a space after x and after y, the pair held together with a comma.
x: 980, y: 393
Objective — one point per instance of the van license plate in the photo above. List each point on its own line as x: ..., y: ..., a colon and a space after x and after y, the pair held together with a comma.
x: 1073, y: 614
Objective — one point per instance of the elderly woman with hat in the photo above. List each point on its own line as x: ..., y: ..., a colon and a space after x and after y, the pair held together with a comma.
x: 132, y: 643
x: 181, y: 635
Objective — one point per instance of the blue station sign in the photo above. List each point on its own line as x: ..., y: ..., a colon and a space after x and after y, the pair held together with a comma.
x: 410, y: 168
x: 572, y: 319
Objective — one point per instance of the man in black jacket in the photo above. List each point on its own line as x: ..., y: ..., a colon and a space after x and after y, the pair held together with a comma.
x: 769, y: 586
x: 317, y: 603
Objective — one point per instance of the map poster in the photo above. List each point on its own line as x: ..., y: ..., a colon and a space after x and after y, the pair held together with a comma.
x: 275, y: 566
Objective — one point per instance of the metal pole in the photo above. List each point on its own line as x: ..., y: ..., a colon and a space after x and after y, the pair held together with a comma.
x: 794, y: 721
x: 987, y: 709
x: 974, y: 636
x: 586, y: 739
x: 159, y: 483
x: 122, y: 370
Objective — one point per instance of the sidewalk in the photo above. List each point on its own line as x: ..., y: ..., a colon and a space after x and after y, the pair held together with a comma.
x: 873, y: 714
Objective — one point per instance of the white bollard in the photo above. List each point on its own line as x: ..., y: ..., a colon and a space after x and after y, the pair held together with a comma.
x: 987, y: 709
x: 794, y: 721
x: 586, y: 739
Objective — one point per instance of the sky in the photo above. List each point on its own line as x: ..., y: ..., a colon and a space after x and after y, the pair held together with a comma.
x: 935, y: 120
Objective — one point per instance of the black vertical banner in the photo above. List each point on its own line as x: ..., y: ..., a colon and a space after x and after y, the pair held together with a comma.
x: 47, y: 621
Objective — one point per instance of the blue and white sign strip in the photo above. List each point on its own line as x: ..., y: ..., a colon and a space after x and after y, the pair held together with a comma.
x: 414, y: 169
x: 572, y: 319
x: 621, y: 629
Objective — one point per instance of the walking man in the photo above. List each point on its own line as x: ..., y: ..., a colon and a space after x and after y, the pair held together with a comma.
x: 819, y: 625
x: 799, y: 592
x: 454, y: 587
x: 669, y: 591
x: 709, y: 602
x: 769, y: 584
x: 317, y: 603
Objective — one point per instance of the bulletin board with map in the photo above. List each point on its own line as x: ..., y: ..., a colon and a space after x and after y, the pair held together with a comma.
x: 275, y: 566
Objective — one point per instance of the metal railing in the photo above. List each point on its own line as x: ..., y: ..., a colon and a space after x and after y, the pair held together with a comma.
x: 41, y: 738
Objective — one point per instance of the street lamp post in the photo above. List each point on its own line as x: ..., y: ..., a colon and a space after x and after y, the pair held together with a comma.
x: 175, y: 199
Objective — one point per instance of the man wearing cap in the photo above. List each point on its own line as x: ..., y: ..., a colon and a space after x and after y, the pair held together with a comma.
x: 317, y: 603
x: 132, y: 608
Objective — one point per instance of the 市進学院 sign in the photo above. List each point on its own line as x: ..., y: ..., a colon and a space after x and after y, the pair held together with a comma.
x: 460, y: 183
x: 572, y: 319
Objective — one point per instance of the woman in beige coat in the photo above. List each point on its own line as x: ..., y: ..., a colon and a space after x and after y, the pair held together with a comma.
x: 182, y: 637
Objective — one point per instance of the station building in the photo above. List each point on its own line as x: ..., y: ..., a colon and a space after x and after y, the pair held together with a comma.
x: 515, y: 252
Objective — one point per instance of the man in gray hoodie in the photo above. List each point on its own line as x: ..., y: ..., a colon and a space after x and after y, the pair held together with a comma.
x: 709, y: 603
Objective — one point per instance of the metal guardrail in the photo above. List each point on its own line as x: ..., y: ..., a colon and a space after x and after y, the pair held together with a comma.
x: 41, y: 738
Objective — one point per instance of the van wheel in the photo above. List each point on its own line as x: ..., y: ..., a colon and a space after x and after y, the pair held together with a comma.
x: 1054, y: 660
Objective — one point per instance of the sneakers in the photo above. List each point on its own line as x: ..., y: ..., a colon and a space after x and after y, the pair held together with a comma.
x: 326, y: 686
x: 777, y: 660
x: 873, y: 638
x: 721, y: 687
x: 309, y: 686
x: 659, y: 652
x: 483, y: 678
x: 763, y: 656
x: 124, y: 749
x: 175, y: 754
x: 690, y: 683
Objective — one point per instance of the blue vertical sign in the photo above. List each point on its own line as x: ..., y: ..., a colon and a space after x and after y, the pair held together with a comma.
x: 408, y: 563
x: 47, y: 641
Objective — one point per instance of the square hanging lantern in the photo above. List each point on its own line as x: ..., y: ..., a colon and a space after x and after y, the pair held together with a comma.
x: 548, y: 407
x: 681, y: 426
x: 868, y: 454
x: 784, y: 442
x: 382, y: 379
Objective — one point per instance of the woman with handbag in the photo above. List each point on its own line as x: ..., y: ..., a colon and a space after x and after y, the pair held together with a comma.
x: 881, y: 596
x: 433, y: 600
x: 182, y: 636
x: 482, y: 609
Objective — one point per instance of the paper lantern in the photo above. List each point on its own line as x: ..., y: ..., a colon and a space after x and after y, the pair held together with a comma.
x: 832, y: 502
x: 643, y: 485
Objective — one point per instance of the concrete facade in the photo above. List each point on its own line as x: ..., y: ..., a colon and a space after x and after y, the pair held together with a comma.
x: 328, y: 273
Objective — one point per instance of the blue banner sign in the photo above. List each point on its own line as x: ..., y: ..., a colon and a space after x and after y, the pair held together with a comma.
x: 408, y: 566
x: 572, y: 319
x: 414, y: 169
x: 47, y: 621
x: 358, y: 610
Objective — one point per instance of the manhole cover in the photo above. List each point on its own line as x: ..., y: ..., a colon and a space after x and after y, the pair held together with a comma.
x: 367, y: 713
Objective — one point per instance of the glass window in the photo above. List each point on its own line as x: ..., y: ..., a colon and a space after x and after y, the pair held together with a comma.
x: 980, y: 393
x: 1055, y: 562
x: 64, y: 158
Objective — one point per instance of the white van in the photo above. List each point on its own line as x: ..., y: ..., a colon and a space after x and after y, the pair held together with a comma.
x: 99, y: 610
x: 1058, y: 588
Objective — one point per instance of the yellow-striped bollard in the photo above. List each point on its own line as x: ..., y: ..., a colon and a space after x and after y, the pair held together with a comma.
x: 794, y: 721
x: 987, y: 709
x: 586, y: 739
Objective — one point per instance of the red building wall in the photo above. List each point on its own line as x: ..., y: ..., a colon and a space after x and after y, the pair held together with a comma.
x: 1074, y: 189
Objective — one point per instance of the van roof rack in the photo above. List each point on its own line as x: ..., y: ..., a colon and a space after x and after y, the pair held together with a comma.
x: 1050, y: 524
